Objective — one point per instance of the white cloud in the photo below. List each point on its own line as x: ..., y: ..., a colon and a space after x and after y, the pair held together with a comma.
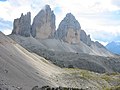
x: 116, y: 3
x: 103, y: 43
x: 90, y: 13
x: 7, y: 31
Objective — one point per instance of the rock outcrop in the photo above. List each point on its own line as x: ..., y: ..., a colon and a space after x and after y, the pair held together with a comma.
x: 22, y: 25
x: 69, y: 30
x: 44, y: 24
x: 99, y: 45
x: 85, y: 38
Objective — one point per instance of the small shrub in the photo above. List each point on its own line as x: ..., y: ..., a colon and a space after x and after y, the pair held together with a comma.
x: 70, y: 66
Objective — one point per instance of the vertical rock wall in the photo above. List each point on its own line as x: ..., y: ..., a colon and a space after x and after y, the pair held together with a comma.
x: 22, y: 25
x: 43, y: 26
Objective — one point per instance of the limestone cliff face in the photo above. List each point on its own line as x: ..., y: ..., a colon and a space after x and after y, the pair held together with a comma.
x: 22, y: 25
x: 69, y: 30
x: 44, y: 24
x: 85, y: 38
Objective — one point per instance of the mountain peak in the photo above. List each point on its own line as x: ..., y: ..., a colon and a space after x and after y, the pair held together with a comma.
x: 43, y: 26
x: 47, y: 7
x: 72, y: 22
x: 69, y: 15
x: 69, y: 29
x: 114, y: 47
x: 22, y: 25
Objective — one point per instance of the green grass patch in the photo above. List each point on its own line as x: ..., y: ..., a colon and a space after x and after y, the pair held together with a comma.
x: 113, y: 88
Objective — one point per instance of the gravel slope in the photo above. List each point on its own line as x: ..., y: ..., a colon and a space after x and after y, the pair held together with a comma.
x: 22, y: 70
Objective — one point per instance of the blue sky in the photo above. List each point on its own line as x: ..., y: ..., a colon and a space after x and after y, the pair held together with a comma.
x: 99, y: 18
x: 3, y: 0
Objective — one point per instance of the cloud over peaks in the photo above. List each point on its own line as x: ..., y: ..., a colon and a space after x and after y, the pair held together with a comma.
x: 95, y: 16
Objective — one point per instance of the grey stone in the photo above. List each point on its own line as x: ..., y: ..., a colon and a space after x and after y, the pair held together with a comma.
x: 44, y: 24
x: 69, y: 29
x: 99, y: 45
x: 85, y: 38
x: 22, y: 25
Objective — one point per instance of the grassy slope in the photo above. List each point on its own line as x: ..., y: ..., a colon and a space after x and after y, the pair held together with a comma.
x: 103, y: 81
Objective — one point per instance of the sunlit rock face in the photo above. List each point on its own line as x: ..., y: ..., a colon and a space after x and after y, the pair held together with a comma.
x: 43, y: 26
x: 22, y: 25
x: 69, y: 30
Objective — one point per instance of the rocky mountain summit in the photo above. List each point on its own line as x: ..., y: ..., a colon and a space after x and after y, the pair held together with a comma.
x: 43, y: 26
x: 22, y: 25
x: 69, y: 30
x: 69, y: 37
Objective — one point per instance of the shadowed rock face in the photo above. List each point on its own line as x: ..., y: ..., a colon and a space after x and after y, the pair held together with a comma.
x: 85, y: 38
x: 22, y: 25
x: 69, y: 30
x: 44, y: 24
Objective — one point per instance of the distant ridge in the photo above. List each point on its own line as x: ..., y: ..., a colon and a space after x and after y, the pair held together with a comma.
x: 114, y: 47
